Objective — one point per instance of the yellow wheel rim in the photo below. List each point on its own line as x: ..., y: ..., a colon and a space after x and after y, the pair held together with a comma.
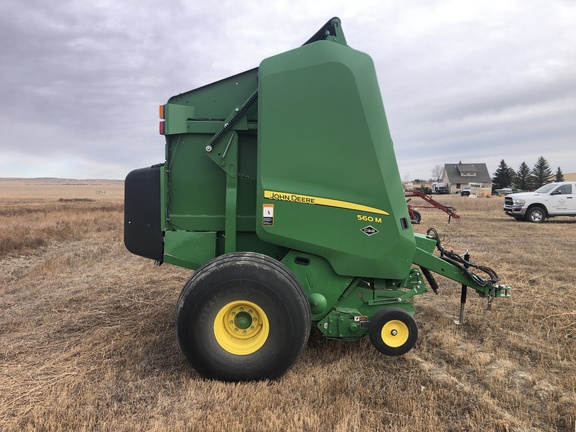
x: 395, y: 333
x: 241, y: 327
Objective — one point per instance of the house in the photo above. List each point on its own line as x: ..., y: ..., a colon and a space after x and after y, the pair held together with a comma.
x: 473, y: 175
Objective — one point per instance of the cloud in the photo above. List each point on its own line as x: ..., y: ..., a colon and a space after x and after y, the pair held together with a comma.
x: 481, y: 81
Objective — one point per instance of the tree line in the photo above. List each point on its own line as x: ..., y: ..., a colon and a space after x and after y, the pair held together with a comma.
x: 525, y: 178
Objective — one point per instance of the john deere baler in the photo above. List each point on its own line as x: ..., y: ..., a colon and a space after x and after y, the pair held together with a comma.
x: 280, y: 188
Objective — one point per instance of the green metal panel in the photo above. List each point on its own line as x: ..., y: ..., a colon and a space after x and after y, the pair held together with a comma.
x: 328, y: 182
x: 216, y: 100
x: 196, y: 186
x: 322, y: 285
x: 189, y: 249
x: 210, y: 191
x: 177, y: 118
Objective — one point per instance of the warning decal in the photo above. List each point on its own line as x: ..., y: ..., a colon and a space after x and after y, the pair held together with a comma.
x: 268, y: 214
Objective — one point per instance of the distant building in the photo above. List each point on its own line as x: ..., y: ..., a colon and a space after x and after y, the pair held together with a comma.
x: 473, y: 175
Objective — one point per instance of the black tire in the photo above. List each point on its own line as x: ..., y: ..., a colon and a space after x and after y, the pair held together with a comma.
x: 536, y: 214
x: 393, y: 331
x: 416, y: 217
x: 241, y: 317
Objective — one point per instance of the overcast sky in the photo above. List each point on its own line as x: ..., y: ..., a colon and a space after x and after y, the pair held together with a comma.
x: 471, y: 81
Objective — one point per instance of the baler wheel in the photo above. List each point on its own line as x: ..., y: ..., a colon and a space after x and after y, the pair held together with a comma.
x: 242, y: 316
x: 393, y: 331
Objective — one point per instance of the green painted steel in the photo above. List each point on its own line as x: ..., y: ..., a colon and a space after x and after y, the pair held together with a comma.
x: 424, y: 257
x: 322, y: 285
x: 341, y: 306
x: 326, y: 166
x: 327, y: 163
x: 294, y: 160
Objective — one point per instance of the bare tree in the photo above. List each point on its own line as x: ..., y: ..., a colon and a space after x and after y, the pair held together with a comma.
x: 438, y: 172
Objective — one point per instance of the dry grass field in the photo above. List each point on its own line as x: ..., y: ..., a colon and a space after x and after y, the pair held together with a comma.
x: 88, y: 342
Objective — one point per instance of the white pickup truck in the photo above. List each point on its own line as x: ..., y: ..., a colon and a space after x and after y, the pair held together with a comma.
x: 552, y: 199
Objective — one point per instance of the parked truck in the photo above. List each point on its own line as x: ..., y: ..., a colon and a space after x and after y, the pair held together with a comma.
x: 550, y: 200
x: 439, y: 188
x: 280, y: 189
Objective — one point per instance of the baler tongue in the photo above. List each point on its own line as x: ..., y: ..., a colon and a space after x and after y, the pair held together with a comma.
x: 460, y: 270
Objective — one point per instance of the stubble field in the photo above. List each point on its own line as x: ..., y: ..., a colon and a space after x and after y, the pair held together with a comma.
x: 88, y: 340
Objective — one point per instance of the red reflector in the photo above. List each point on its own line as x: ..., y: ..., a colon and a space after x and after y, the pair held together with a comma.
x: 161, y: 128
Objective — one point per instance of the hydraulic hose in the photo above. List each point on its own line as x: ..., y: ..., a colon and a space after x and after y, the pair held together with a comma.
x: 458, y: 261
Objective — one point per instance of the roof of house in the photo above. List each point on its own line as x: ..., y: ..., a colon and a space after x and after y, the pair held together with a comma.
x: 456, y: 173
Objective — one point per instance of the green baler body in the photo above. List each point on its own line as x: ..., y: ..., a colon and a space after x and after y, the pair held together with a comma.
x: 195, y: 186
x: 315, y: 152
x: 294, y: 160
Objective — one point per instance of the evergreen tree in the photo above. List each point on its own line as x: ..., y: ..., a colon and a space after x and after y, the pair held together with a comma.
x: 503, y: 176
x: 559, y: 175
x: 541, y: 173
x: 523, y: 180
